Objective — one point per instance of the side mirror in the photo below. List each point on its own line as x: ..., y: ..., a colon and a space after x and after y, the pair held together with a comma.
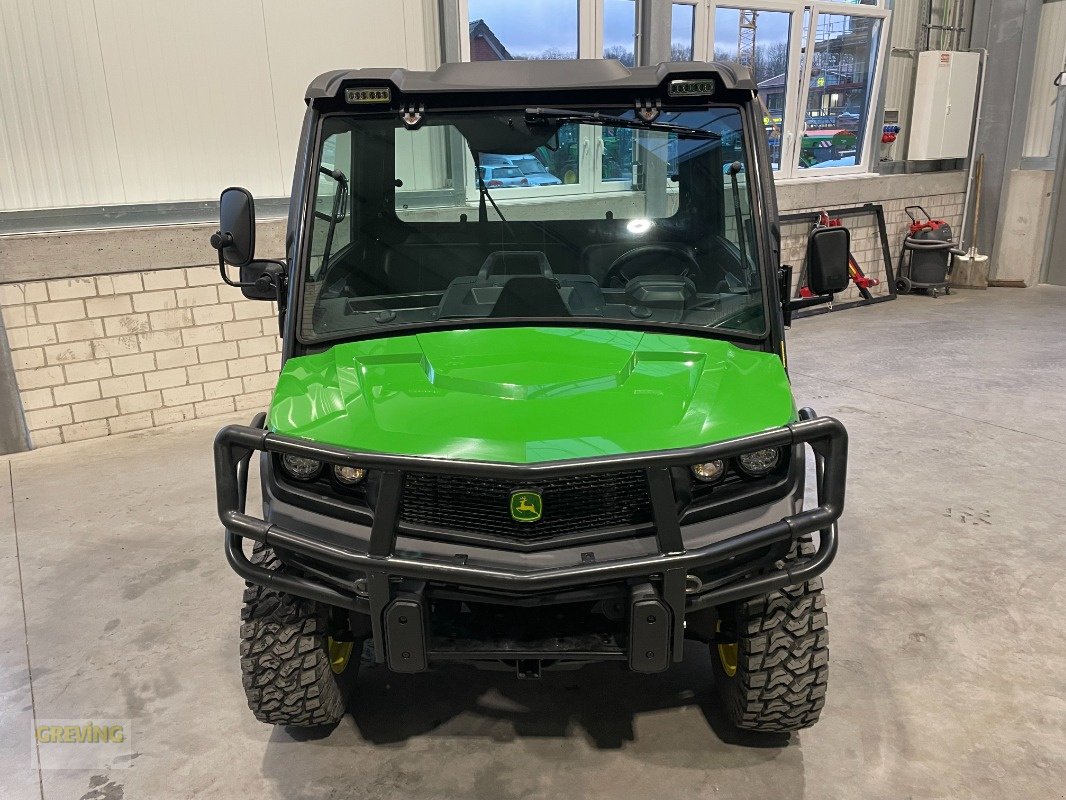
x: 235, y: 242
x: 260, y: 280
x: 235, y: 239
x: 828, y: 259
x: 828, y: 253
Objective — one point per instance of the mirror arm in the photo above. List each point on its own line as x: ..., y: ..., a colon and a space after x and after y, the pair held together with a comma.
x: 790, y: 304
x: 225, y: 277
x: 784, y: 289
x: 220, y: 240
x: 281, y: 294
x: 807, y: 302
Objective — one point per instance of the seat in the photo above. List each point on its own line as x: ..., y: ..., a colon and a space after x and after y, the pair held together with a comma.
x: 429, y: 267
x: 533, y: 296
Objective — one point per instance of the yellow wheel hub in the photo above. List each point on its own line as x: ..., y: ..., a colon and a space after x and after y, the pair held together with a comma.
x: 727, y: 654
x: 340, y: 653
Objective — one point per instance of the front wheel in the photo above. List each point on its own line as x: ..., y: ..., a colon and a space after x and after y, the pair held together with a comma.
x: 296, y: 665
x: 772, y: 656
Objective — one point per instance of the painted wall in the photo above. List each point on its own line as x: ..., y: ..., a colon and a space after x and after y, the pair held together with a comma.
x: 123, y: 101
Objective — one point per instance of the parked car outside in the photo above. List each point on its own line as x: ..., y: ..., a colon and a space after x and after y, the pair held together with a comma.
x: 535, y: 172
x: 503, y: 177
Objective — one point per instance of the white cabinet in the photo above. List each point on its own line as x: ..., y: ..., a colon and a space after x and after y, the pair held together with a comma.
x: 945, y: 90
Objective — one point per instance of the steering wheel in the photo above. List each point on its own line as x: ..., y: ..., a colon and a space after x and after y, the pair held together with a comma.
x: 650, y: 259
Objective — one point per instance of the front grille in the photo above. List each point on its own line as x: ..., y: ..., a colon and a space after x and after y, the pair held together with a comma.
x: 571, y: 504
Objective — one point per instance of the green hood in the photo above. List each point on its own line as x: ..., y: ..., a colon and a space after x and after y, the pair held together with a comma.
x: 524, y: 395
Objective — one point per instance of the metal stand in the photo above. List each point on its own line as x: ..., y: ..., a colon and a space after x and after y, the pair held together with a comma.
x: 855, y: 211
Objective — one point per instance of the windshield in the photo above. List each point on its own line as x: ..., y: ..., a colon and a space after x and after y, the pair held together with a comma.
x: 530, y: 166
x: 538, y: 214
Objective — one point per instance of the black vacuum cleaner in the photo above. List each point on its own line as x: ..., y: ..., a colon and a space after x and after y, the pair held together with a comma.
x: 927, y: 255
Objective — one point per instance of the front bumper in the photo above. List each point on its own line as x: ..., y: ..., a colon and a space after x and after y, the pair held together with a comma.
x: 389, y: 584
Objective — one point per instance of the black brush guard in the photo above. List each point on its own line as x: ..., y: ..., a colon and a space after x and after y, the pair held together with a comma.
x: 391, y: 586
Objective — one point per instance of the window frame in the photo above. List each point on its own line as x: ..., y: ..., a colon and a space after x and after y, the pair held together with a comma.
x: 869, y: 147
x: 797, y: 83
x: 789, y: 122
x: 761, y: 254
x: 702, y: 24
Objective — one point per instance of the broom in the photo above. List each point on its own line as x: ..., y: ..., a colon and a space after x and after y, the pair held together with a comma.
x: 971, y: 269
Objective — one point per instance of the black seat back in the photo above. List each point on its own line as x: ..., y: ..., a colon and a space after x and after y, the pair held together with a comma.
x: 533, y: 296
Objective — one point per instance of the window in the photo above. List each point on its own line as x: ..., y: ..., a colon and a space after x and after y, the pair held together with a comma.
x: 817, y: 64
x: 522, y: 29
x: 682, y: 32
x: 619, y: 30
x: 760, y: 41
x: 842, y: 51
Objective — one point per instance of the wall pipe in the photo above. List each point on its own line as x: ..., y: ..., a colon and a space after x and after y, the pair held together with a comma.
x: 972, y: 147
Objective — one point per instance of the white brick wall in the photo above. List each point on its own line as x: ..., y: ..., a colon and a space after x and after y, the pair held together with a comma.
x: 117, y: 353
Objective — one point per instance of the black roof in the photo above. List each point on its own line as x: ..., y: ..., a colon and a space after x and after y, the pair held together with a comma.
x: 531, y: 74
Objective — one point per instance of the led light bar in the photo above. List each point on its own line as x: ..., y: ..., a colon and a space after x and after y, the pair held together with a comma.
x: 703, y: 86
x: 368, y: 94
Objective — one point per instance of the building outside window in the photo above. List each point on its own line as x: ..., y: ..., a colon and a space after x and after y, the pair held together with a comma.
x: 503, y: 30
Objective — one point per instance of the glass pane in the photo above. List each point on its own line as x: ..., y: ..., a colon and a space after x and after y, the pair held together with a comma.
x: 569, y: 255
x: 561, y: 156
x: 759, y: 40
x: 502, y: 30
x: 738, y: 229
x: 619, y: 30
x: 682, y: 31
x: 616, y: 144
x: 841, y: 85
x: 616, y: 165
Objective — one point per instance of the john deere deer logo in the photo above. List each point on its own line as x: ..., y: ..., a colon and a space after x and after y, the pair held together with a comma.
x: 526, y: 505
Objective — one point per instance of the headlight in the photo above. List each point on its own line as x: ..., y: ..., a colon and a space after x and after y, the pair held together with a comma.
x: 709, y: 471
x: 303, y: 469
x: 759, y: 462
x: 349, y: 476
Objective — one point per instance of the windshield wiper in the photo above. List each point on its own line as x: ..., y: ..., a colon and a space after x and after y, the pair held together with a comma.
x: 595, y: 118
x: 738, y: 218
x: 483, y: 191
x: 338, y: 213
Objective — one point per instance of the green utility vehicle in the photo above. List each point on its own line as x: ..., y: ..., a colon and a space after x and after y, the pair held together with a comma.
x: 530, y: 428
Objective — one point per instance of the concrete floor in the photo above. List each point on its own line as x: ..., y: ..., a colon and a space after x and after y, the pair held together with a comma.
x: 948, y: 666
